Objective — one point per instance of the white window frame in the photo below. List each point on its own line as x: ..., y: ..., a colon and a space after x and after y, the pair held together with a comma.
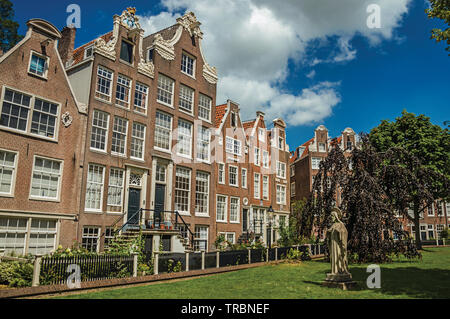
x: 86, y: 49
x: 194, y: 62
x: 261, y: 134
x: 171, y: 93
x: 100, y: 128
x: 283, y: 202
x: 183, y: 93
x: 208, y: 188
x: 237, y: 144
x: 257, y: 194
x: 324, y: 147
x: 201, y: 143
x: 221, y: 174
x: 60, y: 177
x: 203, y: 98
x: 102, y: 189
x: 279, y: 170
x: 185, y: 137
x: 91, y: 237
x: 184, y: 190
x: 292, y: 189
x: 100, y: 95
x: 237, y: 175
x: 257, y: 156
x: 122, y: 187
x: 143, y: 90
x: 142, y: 139
x: 281, y: 143
x: 46, y: 65
x: 244, y: 178
x: 122, y: 81
x: 238, y: 210
x: 124, y: 154
x: 265, y: 159
x: 164, y: 114
x: 225, y: 210
x: 13, y: 174
x: 200, y: 238
x: 315, y: 162
x: 265, y: 183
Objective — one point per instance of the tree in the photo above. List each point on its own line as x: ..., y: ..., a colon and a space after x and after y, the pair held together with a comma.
x: 440, y: 9
x: 417, y: 163
x: 290, y: 235
x: 8, y: 28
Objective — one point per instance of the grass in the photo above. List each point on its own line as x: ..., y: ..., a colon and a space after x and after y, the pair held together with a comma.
x: 426, y: 278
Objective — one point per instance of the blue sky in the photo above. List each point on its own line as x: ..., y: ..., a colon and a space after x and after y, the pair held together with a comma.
x: 362, y: 78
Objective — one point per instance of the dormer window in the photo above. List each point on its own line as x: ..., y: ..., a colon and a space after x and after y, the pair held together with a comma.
x: 188, y: 64
x: 281, y: 143
x: 349, y: 144
x: 322, y: 147
x: 126, y: 52
x: 38, y: 64
x: 89, y: 51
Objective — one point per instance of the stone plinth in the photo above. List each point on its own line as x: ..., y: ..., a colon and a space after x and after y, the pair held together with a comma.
x: 342, y: 281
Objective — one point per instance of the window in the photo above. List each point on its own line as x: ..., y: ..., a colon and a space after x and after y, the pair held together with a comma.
x: 257, y: 186
x: 109, y: 236
x: 8, y: 162
x: 187, y: 64
x: 202, y: 193
x: 221, y: 173
x: 201, y: 238
x: 438, y: 208
x: 265, y: 159
x: 46, y: 178
x: 126, y: 52
x: 230, y: 237
x: 233, y: 119
x: 265, y: 187
x: 163, y: 128
x: 261, y: 135
x: 439, y: 230
x: 281, y: 194
x: 257, y: 157
x: 292, y: 170
x: 165, y: 90
x: 315, y: 162
x: 184, y: 145
x: 233, y: 176
x: 349, y: 144
x: 89, y: 51
x: 119, y: 136
x: 17, y: 107
x: 94, y: 188
x: 234, y: 210
x: 90, y: 238
x: 182, y: 190
x: 140, y: 98
x: 138, y: 141
x: 233, y: 146
x: 42, y: 236
x: 281, y: 170
x: 292, y: 189
x: 322, y: 147
x: 160, y: 173
x: 38, y: 65
x: 204, y: 107
x: 115, y: 187
x: 281, y: 143
x: 203, y: 144
x: 430, y: 210
x: 123, y: 91
x: 150, y: 53
x: 244, y: 178
x: 104, y: 82
x: 13, y: 233
x: 221, y: 208
x: 99, y: 134
x: 186, y: 99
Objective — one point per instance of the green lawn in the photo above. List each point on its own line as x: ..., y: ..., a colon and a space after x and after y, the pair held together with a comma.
x: 428, y: 278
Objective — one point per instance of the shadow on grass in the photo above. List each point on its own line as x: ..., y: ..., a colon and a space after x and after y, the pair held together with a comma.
x: 411, y: 281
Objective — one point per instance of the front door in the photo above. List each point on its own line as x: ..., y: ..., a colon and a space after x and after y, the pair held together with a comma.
x: 244, y: 220
x: 160, y: 197
x: 134, y: 199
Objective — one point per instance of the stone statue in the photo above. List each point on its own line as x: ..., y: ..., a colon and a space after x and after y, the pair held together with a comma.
x: 337, y: 246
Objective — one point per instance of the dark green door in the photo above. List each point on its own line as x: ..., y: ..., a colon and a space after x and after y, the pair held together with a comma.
x: 160, y: 196
x: 134, y: 198
x: 245, y: 220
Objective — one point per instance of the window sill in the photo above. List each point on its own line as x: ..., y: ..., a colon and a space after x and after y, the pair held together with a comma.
x: 162, y: 150
x: 189, y: 75
x: 235, y: 222
x: 6, y: 195
x: 123, y: 107
x: 43, y: 199
x: 222, y: 221
x: 202, y: 215
x: 25, y: 133
x: 191, y: 114
x: 103, y: 101
x: 165, y: 104
x: 93, y: 150
x: 140, y: 113
x: 94, y: 212
x: 41, y: 77
x: 119, y: 155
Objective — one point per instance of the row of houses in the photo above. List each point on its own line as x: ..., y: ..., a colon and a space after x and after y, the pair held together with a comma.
x: 304, y: 165
x: 125, y: 131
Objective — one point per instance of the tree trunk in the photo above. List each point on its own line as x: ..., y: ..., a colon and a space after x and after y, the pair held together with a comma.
x: 417, y: 226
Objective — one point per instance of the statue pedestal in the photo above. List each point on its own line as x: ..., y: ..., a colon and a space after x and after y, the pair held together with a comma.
x: 343, y: 281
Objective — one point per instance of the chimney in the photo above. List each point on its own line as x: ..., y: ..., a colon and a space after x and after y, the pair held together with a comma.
x: 67, y: 43
x: 260, y: 114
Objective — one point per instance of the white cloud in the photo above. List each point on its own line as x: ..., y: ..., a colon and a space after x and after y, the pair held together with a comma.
x: 311, y: 74
x: 252, y: 41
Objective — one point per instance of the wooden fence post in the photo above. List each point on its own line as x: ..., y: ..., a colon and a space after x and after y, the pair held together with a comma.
x: 218, y: 259
x: 135, y: 264
x: 203, y: 260
x: 249, y: 255
x: 36, y: 270
x: 187, y: 261
x: 156, y: 263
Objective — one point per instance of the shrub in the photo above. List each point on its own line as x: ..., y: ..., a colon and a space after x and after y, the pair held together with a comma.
x: 16, y: 274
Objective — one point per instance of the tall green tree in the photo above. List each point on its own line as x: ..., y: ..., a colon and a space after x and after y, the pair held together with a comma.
x: 440, y: 9
x: 417, y: 163
x: 8, y: 27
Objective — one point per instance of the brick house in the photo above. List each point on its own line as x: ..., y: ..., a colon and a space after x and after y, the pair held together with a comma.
x: 41, y: 125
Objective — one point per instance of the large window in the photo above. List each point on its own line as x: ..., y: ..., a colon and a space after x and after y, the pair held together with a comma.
x: 204, y: 107
x: 115, y: 187
x: 182, y: 190
x: 42, y: 236
x: 244, y: 178
x: 138, y: 141
x: 202, y: 193
x: 257, y: 186
x: 94, y: 188
x: 234, y: 210
x: 123, y: 91
x: 165, y: 90
x: 281, y: 170
x: 257, y: 156
x: 186, y: 99
x: 187, y: 64
x: 119, y: 136
x: 201, y: 238
x: 38, y: 64
x: 203, y: 144
x: 126, y: 52
x: 140, y: 98
x: 8, y: 162
x: 221, y: 174
x: 163, y: 128
x: 104, y: 82
x: 90, y: 238
x: 17, y: 107
x: 99, y: 135
x: 13, y: 233
x: 281, y: 194
x: 184, y: 145
x: 221, y: 208
x: 233, y: 176
x: 315, y: 162
x: 233, y: 146
x: 265, y: 187
x: 46, y: 180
